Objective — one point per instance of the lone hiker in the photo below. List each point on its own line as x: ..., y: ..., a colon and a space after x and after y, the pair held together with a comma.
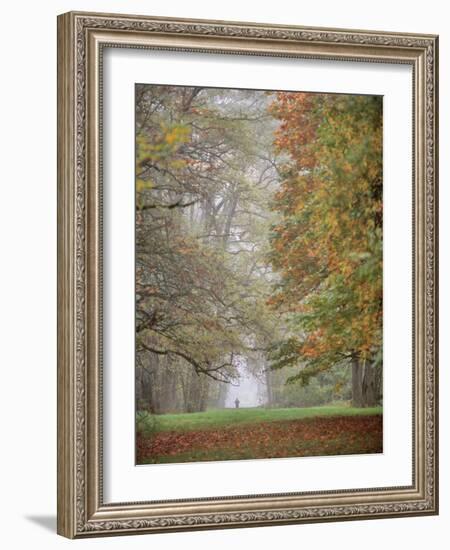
x: 236, y: 403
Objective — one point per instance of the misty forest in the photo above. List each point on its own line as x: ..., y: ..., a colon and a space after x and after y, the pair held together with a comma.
x: 258, y: 274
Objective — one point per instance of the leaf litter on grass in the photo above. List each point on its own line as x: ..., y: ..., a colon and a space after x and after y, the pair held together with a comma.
x: 306, y: 437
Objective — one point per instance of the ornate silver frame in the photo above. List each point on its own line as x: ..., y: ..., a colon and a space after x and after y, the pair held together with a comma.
x: 81, y: 510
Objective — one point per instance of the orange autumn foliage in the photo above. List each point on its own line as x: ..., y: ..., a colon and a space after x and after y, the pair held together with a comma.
x: 327, y: 248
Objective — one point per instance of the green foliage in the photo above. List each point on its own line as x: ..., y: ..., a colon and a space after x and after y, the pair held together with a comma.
x: 146, y: 424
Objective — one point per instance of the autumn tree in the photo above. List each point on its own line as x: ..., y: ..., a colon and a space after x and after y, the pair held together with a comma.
x: 327, y: 245
x: 203, y: 171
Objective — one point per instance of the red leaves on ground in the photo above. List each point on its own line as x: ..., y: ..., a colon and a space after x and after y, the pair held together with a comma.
x: 307, y: 437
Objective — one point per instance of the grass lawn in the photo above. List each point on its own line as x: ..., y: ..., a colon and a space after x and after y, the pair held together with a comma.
x: 236, y: 434
x: 230, y: 418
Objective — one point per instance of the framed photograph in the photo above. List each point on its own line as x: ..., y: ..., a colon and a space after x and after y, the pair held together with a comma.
x: 247, y: 274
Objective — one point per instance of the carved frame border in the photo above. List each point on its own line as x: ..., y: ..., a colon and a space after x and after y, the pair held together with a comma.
x: 81, y: 37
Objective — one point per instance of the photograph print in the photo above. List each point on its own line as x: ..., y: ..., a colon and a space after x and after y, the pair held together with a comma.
x: 259, y: 274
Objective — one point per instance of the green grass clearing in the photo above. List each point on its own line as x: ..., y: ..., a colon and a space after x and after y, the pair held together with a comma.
x: 224, y: 418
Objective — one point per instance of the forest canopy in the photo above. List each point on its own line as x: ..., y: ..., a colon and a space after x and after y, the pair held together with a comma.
x: 258, y: 247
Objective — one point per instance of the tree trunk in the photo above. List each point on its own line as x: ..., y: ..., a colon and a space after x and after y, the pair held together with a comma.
x: 369, y: 386
x: 269, y: 388
x: 197, y: 393
x: 223, y: 390
x: 357, y: 398
x: 147, y: 384
x: 364, y: 384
